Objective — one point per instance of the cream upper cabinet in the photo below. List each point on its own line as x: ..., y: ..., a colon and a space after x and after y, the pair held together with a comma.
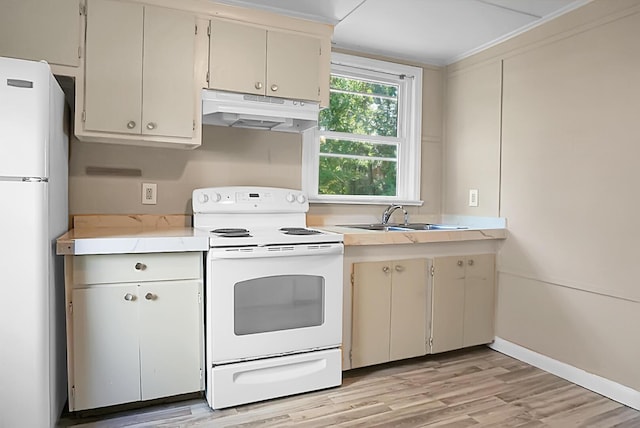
x: 262, y: 61
x: 139, y: 79
x: 293, y: 63
x: 41, y: 30
x: 462, y: 301
x: 390, y: 307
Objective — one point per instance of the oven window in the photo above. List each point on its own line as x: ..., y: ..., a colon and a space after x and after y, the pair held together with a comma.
x: 281, y: 302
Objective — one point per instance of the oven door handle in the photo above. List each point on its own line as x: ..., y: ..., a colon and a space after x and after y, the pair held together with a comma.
x: 276, y: 251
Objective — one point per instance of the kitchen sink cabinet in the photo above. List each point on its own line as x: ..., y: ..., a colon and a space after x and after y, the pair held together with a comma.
x: 41, y: 30
x: 134, y: 326
x: 462, y: 301
x: 390, y: 311
x: 264, y: 61
x: 139, y: 81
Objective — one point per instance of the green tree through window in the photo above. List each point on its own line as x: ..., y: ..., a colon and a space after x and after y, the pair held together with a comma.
x: 355, y: 165
x: 366, y: 148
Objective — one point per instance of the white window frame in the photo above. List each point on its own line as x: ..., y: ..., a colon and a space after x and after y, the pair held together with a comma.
x: 409, y: 132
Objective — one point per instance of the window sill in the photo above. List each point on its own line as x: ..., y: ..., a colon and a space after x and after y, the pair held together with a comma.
x: 363, y: 201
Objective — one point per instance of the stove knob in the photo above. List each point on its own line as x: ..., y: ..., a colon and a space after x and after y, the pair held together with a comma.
x: 215, y: 197
x: 203, y: 198
x: 291, y: 197
x: 301, y: 199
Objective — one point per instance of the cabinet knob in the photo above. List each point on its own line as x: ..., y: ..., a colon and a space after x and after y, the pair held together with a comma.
x: 151, y: 125
x: 274, y: 87
x: 460, y: 263
x: 131, y: 124
x: 399, y: 268
x: 150, y: 296
x: 140, y: 266
x: 470, y: 262
x: 385, y: 269
x: 129, y: 297
x: 258, y: 85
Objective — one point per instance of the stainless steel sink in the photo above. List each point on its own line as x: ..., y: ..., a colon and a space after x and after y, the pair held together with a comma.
x: 400, y: 227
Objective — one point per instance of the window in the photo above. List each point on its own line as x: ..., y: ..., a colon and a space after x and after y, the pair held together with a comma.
x: 366, y: 148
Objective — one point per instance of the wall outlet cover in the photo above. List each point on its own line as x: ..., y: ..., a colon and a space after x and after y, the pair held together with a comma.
x: 473, y: 197
x: 149, y: 193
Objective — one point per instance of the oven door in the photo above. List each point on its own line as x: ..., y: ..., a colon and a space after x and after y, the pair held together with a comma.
x: 268, y: 301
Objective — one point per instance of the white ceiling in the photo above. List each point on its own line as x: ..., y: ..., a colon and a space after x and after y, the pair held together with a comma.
x: 435, y: 32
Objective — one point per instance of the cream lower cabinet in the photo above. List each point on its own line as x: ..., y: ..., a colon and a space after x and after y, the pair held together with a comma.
x: 139, y: 82
x: 463, y: 304
x: 390, y: 311
x: 256, y: 60
x: 135, y: 327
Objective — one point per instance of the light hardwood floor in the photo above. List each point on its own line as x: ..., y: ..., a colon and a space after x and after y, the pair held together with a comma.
x: 476, y: 387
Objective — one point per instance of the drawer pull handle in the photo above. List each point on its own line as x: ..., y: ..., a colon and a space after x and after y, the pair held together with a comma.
x: 274, y: 87
x: 460, y: 263
x: 399, y: 268
x: 151, y: 126
x: 258, y: 85
x: 150, y: 296
x: 470, y: 262
x: 385, y: 269
x: 140, y: 266
x: 129, y: 297
x: 131, y: 124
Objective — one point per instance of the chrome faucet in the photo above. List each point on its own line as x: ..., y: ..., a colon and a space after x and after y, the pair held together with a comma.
x: 386, y: 215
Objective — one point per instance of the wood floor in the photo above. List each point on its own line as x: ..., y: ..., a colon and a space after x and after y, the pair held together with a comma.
x: 477, y: 387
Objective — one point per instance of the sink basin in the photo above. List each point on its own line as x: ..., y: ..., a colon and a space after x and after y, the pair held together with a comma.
x: 378, y: 226
x: 400, y: 227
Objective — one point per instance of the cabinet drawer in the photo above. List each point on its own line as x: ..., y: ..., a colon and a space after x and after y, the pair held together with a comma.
x: 100, y: 269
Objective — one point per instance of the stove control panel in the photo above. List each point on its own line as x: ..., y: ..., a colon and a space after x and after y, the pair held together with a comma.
x: 242, y: 199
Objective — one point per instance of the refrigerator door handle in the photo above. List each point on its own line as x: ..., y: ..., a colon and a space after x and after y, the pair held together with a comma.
x: 19, y: 83
x: 35, y: 179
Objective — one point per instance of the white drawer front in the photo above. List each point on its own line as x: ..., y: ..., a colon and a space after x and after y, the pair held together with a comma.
x: 251, y: 381
x: 110, y: 268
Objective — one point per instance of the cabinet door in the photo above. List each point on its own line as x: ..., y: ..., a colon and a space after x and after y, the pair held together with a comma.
x: 113, y: 66
x: 170, y: 331
x: 293, y: 63
x: 168, y: 73
x: 371, y: 313
x: 41, y: 30
x: 447, y: 303
x: 408, y: 309
x: 479, y: 299
x: 105, y: 346
x: 237, y: 57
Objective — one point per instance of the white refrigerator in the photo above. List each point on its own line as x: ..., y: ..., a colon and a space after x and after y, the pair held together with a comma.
x: 33, y: 213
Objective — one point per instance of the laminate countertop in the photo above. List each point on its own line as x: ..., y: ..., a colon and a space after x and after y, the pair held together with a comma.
x: 121, y: 240
x: 354, y: 237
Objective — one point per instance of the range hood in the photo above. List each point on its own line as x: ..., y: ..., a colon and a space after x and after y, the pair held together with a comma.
x: 257, y: 112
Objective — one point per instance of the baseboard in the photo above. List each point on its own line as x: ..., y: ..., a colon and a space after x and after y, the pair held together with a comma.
x: 608, y: 388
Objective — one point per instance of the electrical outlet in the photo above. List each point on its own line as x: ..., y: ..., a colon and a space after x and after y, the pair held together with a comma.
x: 149, y: 193
x: 473, y: 197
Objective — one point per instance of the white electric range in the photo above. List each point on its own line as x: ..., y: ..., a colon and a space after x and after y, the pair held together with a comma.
x: 273, y: 295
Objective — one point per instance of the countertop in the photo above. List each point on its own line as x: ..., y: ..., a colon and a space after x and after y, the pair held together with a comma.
x: 119, y: 234
x: 119, y: 240
x: 353, y: 237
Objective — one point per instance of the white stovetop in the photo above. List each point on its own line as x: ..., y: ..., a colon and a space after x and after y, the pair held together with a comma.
x: 273, y: 236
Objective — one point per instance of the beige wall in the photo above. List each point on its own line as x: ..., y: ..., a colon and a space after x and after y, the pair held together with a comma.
x: 227, y: 157
x: 230, y: 157
x: 568, y: 151
x: 472, y: 128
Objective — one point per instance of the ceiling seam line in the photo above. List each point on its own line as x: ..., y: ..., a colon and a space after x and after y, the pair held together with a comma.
x: 509, y: 9
x: 349, y: 14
